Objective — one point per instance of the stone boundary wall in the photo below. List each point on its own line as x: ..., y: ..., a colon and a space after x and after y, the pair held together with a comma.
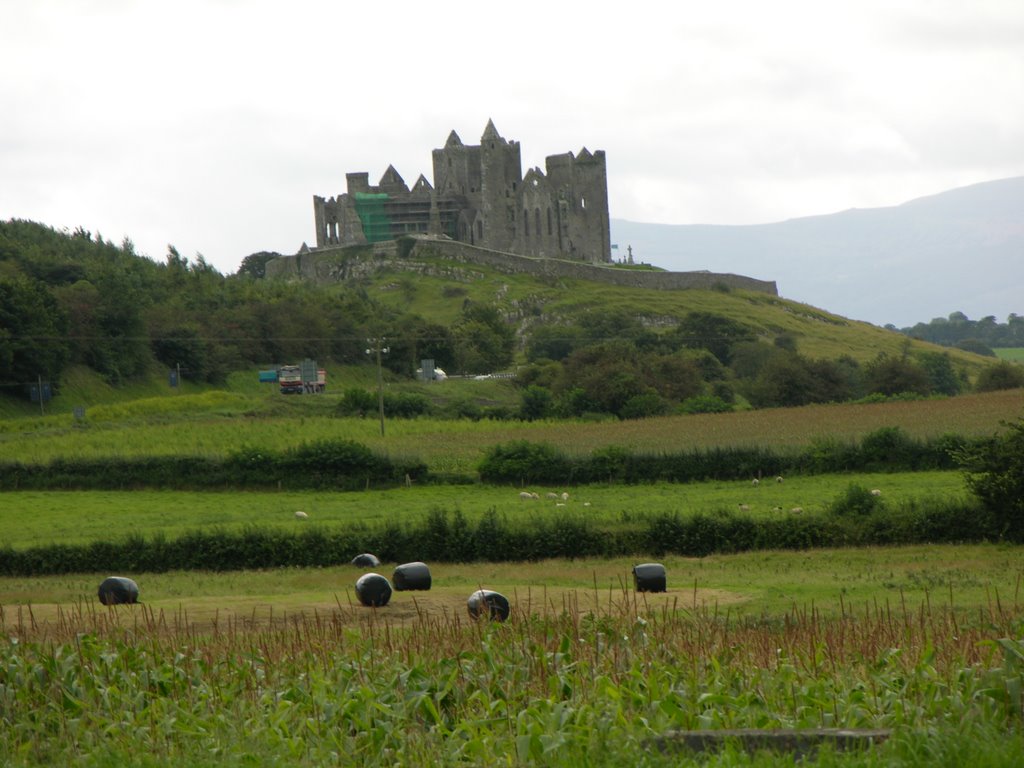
x: 334, y: 264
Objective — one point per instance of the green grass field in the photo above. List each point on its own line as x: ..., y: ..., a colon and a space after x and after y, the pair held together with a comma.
x: 35, y: 518
x: 1014, y: 354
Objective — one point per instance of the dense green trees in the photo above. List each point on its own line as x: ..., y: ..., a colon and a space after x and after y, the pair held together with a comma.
x: 996, y: 476
x: 75, y: 298
x: 33, y: 334
x: 958, y: 330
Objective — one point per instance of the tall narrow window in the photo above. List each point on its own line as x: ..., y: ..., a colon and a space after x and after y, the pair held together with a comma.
x: 536, y: 221
x: 549, y: 223
x: 526, y: 222
x: 583, y: 202
x: 479, y: 230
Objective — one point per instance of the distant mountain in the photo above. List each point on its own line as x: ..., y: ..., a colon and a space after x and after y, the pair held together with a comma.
x: 961, y: 250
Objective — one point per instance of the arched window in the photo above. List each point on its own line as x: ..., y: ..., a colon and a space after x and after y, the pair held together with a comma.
x: 536, y: 221
x: 583, y: 202
x: 549, y: 223
x: 479, y: 230
x: 526, y: 222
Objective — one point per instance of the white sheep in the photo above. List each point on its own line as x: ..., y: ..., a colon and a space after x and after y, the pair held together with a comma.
x: 778, y: 479
x: 755, y: 482
x: 552, y: 495
x: 301, y: 515
x: 797, y: 510
x: 525, y: 495
x: 565, y: 496
x: 875, y: 492
x: 744, y: 507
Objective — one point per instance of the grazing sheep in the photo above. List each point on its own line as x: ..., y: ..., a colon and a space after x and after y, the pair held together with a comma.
x: 744, y: 507
x: 776, y: 509
x: 565, y: 496
x: 552, y: 495
x: 301, y: 515
x: 797, y: 510
x: 778, y: 479
x: 525, y: 495
x: 534, y: 495
x: 755, y: 482
x: 875, y: 492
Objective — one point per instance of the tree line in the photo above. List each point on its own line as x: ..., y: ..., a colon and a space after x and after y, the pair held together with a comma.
x: 979, y: 336
x: 74, y: 298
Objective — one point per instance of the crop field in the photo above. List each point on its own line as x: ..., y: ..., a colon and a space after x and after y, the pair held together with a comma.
x: 215, y: 424
x: 284, y: 668
x: 34, y: 518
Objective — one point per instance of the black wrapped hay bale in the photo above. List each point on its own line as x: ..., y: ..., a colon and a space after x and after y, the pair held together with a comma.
x: 366, y: 560
x: 649, y: 577
x: 116, y: 590
x: 373, y: 590
x: 410, y: 576
x: 493, y: 604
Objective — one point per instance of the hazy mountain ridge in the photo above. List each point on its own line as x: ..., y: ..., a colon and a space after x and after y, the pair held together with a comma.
x: 959, y: 250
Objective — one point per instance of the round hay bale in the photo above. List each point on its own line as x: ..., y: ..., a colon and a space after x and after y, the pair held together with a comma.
x: 116, y: 590
x: 373, y: 590
x: 493, y: 604
x: 409, y: 576
x: 366, y: 560
x: 649, y: 577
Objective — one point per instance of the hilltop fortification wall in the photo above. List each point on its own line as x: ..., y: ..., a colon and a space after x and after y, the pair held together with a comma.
x: 433, y: 256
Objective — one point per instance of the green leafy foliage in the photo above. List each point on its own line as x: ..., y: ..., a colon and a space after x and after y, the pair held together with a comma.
x: 995, y: 474
x: 1002, y: 375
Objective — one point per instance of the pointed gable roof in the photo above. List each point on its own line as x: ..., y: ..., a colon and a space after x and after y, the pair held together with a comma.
x: 584, y: 155
x: 453, y: 140
x: 391, y: 176
x: 422, y: 185
x: 490, y: 132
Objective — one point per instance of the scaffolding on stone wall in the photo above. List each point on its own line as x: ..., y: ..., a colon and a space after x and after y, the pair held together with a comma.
x: 375, y: 220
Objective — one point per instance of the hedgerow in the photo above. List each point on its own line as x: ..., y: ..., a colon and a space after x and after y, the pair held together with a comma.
x: 448, y: 536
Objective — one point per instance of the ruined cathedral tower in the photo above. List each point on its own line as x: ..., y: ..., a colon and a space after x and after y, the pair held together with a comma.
x: 481, y: 197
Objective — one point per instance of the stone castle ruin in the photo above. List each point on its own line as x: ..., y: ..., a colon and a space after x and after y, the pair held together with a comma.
x: 480, y: 197
x: 481, y: 212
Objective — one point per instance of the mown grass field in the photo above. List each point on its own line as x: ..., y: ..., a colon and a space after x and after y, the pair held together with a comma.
x: 971, y: 581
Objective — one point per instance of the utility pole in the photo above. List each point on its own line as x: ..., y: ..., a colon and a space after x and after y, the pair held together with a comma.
x: 377, y: 347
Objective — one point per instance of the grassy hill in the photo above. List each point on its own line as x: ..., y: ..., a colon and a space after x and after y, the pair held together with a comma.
x: 437, y: 289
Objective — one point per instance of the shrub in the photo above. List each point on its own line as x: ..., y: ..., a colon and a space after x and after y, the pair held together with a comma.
x: 704, y: 404
x: 1002, y: 375
x: 644, y: 406
x: 406, y: 405
x: 522, y: 462
x: 995, y: 476
x: 855, y: 501
x: 357, y: 402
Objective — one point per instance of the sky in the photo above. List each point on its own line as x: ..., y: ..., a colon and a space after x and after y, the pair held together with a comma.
x: 210, y: 124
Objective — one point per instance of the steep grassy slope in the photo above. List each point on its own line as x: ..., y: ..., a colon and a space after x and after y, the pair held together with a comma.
x: 531, y: 301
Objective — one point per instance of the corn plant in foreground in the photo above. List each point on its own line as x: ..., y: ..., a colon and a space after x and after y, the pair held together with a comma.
x: 592, y: 683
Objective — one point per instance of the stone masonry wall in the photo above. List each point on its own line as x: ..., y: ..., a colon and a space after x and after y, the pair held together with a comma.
x: 334, y: 264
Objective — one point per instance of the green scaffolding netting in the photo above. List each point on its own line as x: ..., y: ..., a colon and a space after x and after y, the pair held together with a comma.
x: 370, y: 210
